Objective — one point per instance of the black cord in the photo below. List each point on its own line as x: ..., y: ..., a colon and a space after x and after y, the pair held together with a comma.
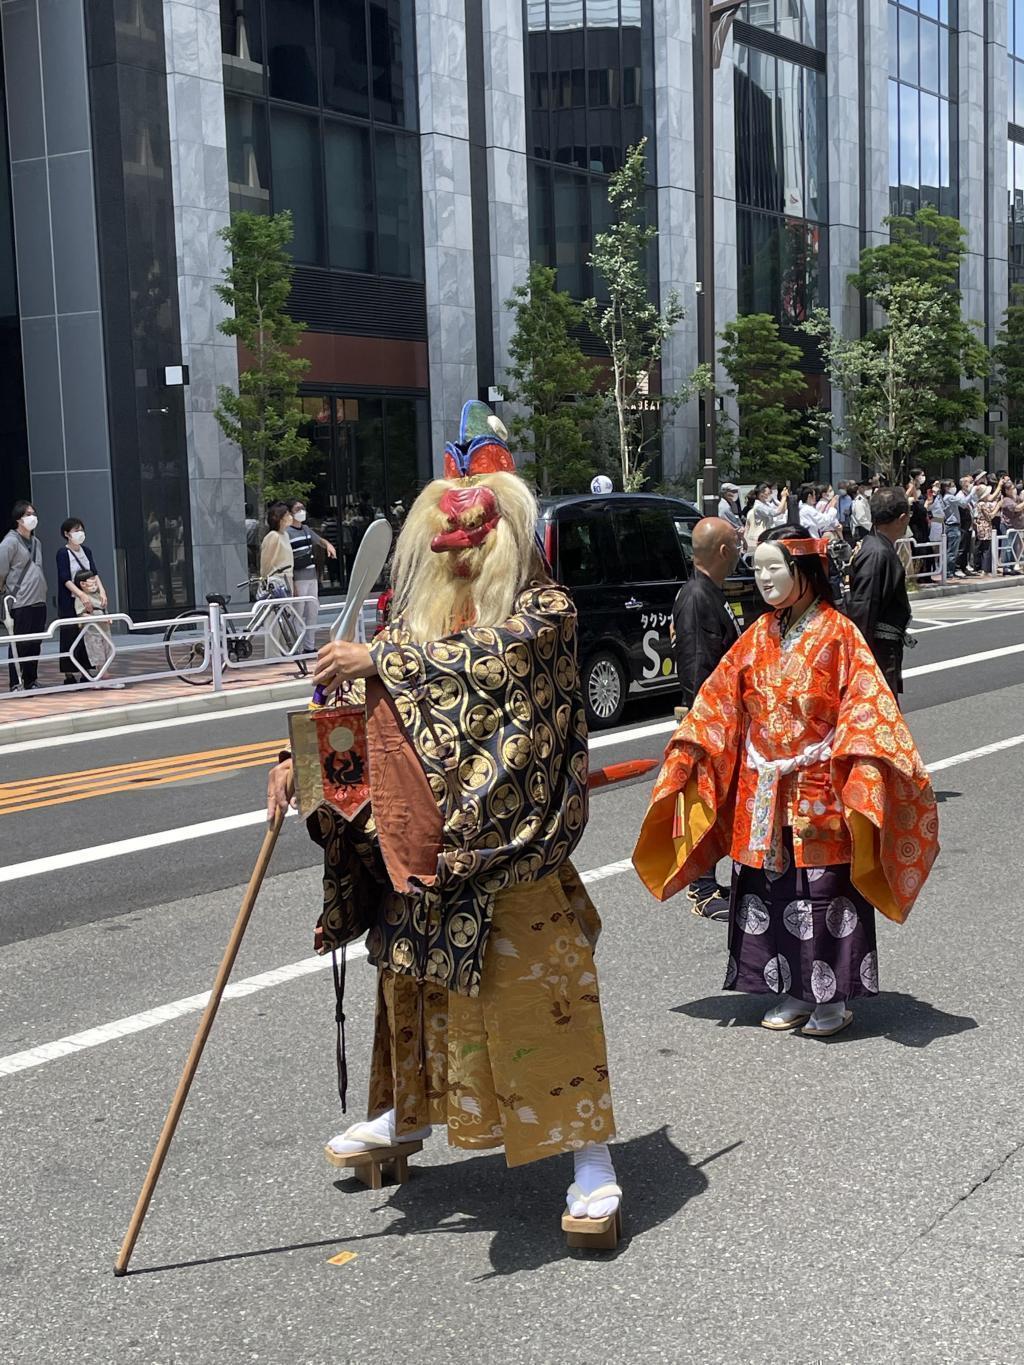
x: 338, y: 972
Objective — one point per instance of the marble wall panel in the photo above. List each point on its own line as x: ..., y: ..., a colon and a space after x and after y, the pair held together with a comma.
x: 447, y: 204
x: 195, y: 94
x: 677, y: 233
x: 507, y: 180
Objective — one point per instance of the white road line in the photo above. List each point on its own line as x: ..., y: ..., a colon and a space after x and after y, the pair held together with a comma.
x: 607, y: 738
x: 193, y: 1004
x: 941, y: 764
x: 943, y: 665
x: 184, y: 834
x: 25, y: 746
x: 925, y: 623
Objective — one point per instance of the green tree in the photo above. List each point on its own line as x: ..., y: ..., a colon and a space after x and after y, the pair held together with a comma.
x: 773, y: 437
x: 632, y: 327
x: 927, y: 250
x: 1008, y: 376
x: 263, y: 417
x: 552, y: 383
x: 884, y: 378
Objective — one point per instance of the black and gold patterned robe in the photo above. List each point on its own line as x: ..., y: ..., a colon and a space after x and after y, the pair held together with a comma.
x: 497, y: 721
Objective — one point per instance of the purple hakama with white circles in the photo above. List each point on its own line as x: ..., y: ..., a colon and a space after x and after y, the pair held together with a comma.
x: 805, y: 932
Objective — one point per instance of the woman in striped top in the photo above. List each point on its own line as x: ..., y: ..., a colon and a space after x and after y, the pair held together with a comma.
x: 306, y: 583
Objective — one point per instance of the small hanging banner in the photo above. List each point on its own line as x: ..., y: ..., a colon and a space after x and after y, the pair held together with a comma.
x: 329, y: 758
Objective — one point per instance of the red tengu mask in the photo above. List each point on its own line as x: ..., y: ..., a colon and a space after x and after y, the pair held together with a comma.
x: 472, y: 515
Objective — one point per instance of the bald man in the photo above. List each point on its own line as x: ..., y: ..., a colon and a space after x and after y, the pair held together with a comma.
x: 705, y: 630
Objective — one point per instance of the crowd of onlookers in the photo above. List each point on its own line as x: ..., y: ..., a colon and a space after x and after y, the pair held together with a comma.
x: 960, y: 513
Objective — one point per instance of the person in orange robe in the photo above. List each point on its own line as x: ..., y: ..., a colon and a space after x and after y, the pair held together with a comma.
x: 795, y: 758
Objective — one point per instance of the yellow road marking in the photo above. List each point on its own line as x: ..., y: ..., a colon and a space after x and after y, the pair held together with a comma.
x: 63, y: 788
x: 29, y: 783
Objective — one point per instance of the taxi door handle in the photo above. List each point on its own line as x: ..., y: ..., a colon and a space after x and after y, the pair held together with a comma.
x: 632, y: 604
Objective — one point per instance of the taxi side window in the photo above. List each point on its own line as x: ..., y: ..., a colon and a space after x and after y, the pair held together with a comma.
x: 649, y: 547
x: 684, y: 530
x: 579, y: 562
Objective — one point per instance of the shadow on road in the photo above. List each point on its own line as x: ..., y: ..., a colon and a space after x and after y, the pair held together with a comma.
x: 894, y: 1015
x: 520, y: 1208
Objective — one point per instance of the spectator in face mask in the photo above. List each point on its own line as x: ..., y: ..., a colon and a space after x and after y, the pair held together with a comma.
x: 74, y: 557
x: 945, y: 515
x: 23, y: 593
x: 861, y: 516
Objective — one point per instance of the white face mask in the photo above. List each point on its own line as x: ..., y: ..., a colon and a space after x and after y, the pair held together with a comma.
x: 774, y: 577
x: 30, y: 522
x: 299, y: 517
x: 77, y: 537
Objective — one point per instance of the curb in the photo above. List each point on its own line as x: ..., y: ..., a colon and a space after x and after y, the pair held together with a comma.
x: 81, y: 722
x: 959, y: 589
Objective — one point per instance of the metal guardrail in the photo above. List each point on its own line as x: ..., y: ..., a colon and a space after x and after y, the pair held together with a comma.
x: 198, y: 646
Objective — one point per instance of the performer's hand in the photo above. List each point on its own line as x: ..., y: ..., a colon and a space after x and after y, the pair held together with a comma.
x: 342, y: 661
x: 280, y: 790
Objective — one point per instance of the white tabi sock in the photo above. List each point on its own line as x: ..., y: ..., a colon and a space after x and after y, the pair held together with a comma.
x: 826, y: 1016
x: 592, y: 1168
x: 378, y: 1132
x: 786, y: 1009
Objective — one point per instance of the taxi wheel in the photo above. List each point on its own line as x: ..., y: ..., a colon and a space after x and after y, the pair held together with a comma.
x: 604, y: 689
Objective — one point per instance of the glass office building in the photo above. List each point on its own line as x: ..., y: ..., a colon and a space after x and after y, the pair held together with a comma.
x: 428, y: 152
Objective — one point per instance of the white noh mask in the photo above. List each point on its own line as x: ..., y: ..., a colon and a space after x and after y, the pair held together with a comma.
x: 774, y: 577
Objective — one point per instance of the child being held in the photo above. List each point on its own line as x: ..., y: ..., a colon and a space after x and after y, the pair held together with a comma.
x: 95, y: 635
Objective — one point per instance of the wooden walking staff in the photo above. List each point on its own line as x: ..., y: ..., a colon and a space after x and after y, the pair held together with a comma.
x: 198, y: 1043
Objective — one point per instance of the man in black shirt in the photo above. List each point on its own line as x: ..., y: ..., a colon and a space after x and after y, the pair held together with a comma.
x: 879, y: 606
x: 704, y: 629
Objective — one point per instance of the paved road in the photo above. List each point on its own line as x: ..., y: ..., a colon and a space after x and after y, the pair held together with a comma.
x: 855, y: 1201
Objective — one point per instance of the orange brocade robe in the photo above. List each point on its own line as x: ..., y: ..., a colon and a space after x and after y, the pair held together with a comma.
x: 863, y: 796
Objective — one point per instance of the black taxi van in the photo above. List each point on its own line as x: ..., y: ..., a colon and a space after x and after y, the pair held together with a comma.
x: 624, y: 557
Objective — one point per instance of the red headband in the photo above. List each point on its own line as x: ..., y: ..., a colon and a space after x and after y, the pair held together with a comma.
x: 798, y: 547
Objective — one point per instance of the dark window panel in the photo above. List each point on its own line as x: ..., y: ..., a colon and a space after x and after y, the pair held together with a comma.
x: 248, y: 154
x: 758, y: 264
x: 291, y: 51
x: 542, y: 247
x: 399, y: 207
x: 393, y: 62
x: 344, y: 56
x: 241, y: 30
x: 350, y: 227
x: 403, y: 467
x: 572, y: 232
x: 297, y: 183
x: 362, y: 446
